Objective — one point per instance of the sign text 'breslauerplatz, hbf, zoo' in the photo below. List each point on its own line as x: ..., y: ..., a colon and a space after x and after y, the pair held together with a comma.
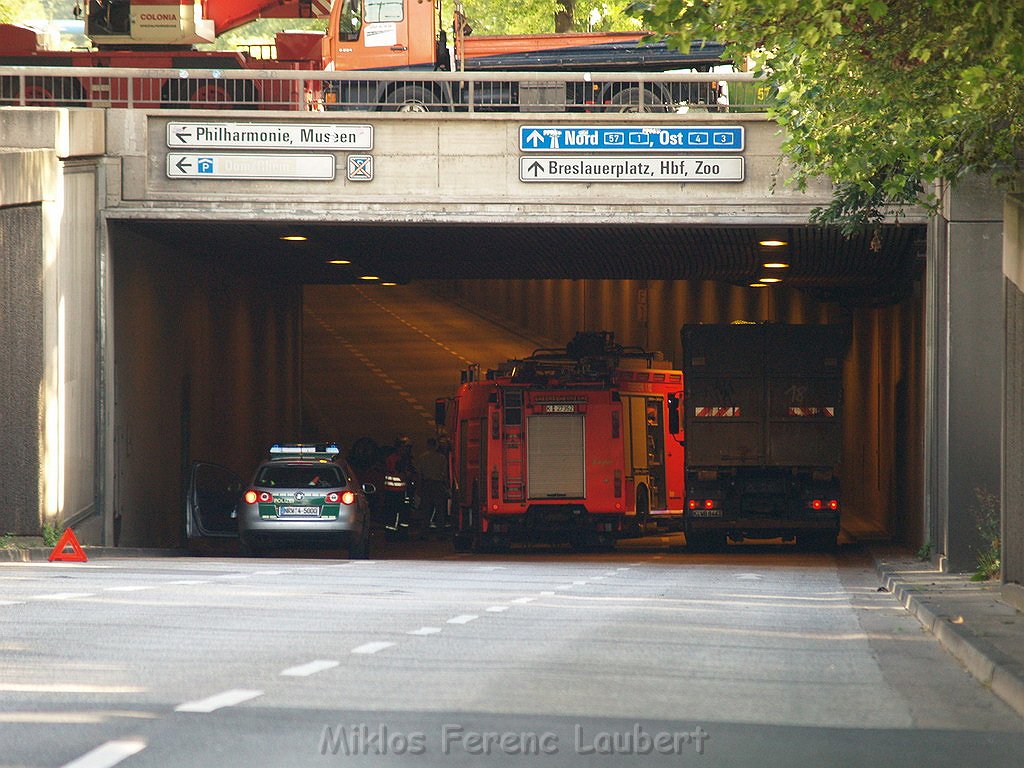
x: 648, y: 149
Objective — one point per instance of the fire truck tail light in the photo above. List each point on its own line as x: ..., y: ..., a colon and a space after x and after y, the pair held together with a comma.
x: 833, y: 504
x: 709, y: 503
x: 816, y: 504
x: 617, y: 483
x: 693, y: 504
x: 250, y: 497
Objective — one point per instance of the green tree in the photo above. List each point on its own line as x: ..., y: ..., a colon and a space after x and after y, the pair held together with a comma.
x: 500, y: 17
x: 884, y: 97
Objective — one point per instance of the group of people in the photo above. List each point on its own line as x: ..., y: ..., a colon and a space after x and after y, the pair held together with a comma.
x: 412, y: 491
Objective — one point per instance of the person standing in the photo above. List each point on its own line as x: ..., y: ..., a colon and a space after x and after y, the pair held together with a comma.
x: 432, y: 466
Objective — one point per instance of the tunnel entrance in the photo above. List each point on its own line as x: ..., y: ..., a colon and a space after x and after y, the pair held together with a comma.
x: 229, y: 336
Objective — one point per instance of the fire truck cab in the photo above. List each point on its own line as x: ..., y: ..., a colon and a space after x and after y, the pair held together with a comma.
x: 581, y: 445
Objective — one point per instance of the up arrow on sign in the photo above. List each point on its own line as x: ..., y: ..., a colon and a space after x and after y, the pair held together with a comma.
x: 535, y: 138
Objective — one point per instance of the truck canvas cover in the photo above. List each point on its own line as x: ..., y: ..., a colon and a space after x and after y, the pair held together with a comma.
x: 763, y: 395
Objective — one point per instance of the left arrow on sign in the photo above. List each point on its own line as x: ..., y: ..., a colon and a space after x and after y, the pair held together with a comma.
x: 181, y: 165
x: 183, y: 137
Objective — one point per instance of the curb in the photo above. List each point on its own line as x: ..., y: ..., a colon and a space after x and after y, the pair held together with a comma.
x: 42, y: 554
x: 989, y: 665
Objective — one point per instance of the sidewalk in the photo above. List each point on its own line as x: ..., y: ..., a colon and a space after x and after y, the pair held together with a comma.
x: 968, y: 618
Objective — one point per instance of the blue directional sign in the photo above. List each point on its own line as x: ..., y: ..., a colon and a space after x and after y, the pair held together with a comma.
x: 631, y: 138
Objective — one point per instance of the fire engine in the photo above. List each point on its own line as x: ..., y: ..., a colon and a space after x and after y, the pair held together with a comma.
x: 392, y: 35
x: 580, y: 445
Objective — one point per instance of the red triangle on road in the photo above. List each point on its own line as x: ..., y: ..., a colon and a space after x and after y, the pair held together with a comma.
x: 76, y: 555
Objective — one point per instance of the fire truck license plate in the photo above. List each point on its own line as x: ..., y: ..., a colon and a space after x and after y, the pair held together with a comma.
x: 560, y: 408
x: 298, y: 511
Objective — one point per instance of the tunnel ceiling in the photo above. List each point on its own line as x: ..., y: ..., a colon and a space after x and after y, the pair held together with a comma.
x: 822, y: 261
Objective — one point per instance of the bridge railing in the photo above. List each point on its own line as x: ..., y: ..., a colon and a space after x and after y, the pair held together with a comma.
x: 390, y: 91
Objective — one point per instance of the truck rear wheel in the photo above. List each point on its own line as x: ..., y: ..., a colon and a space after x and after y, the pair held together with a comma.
x: 412, y: 98
x: 628, y: 100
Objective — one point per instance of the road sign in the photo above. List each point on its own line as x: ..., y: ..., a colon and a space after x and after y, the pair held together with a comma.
x: 360, y: 167
x: 270, y: 136
x: 631, y: 138
x: 199, y: 165
x: 678, y: 168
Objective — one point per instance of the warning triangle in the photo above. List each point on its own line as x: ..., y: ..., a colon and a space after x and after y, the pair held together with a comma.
x: 76, y: 555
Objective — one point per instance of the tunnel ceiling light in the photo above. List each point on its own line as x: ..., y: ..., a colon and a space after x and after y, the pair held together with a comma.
x: 759, y: 285
x: 389, y: 282
x: 772, y: 243
x: 775, y: 265
x: 770, y: 279
x: 295, y: 238
x: 369, y: 277
x: 339, y: 261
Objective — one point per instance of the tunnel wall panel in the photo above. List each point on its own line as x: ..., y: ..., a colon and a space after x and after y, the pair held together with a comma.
x: 21, y: 376
x: 883, y: 415
x: 207, y: 369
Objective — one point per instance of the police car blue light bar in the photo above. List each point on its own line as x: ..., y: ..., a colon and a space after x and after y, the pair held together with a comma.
x: 303, y: 449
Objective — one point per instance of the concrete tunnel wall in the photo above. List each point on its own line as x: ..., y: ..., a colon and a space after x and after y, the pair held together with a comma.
x: 884, y: 408
x: 206, y: 369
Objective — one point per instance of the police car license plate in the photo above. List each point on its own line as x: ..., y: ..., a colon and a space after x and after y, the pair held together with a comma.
x: 298, y: 511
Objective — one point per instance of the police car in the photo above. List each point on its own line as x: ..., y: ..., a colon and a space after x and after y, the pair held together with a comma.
x: 302, y: 494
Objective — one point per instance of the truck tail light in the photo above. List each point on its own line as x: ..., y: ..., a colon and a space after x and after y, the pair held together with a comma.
x: 702, y: 503
x: 252, y: 496
x: 833, y: 504
x: 709, y: 503
x: 693, y: 504
x: 818, y: 504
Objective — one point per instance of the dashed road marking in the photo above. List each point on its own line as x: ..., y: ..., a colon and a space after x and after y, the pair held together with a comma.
x: 109, y: 754
x: 464, y: 618
x: 425, y: 631
x: 63, y: 596
x: 380, y: 645
x: 219, y: 701
x: 579, y: 583
x: 547, y: 594
x: 305, y: 670
x: 187, y: 582
x: 12, y: 602
x: 497, y: 608
x: 135, y: 588
x: 523, y: 600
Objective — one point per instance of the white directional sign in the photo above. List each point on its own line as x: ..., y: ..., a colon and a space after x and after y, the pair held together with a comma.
x: 680, y: 168
x: 270, y: 136
x: 290, y: 167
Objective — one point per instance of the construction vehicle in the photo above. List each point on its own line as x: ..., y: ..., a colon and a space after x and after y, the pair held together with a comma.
x: 394, y: 35
x: 579, y: 445
x: 763, y: 424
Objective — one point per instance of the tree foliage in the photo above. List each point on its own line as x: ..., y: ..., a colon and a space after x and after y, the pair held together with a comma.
x: 884, y: 97
x: 500, y: 17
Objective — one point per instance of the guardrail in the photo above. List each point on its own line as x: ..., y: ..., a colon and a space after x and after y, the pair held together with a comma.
x: 390, y: 91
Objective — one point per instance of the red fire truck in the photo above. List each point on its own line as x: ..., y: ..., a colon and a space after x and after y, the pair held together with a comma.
x: 396, y: 35
x: 580, y: 445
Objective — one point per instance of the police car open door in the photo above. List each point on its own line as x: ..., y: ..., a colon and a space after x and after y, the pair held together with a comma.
x: 211, y: 505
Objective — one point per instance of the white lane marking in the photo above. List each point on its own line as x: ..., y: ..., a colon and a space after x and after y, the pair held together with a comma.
x: 106, y: 755
x: 579, y: 583
x: 219, y: 701
x: 564, y: 586
x: 236, y: 576
x: 305, y: 670
x: 523, y: 600
x: 497, y: 608
x: 622, y: 569
x: 612, y: 573
x: 489, y: 568
x: 424, y: 631
x: 11, y: 602
x: 136, y: 588
x: 62, y: 596
x: 187, y: 582
x: 380, y: 645
x: 749, y: 576
x: 272, y: 573
x: 547, y: 594
x: 463, y: 619
x: 597, y: 578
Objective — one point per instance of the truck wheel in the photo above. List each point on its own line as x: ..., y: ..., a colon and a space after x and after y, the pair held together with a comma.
x: 359, y: 547
x: 628, y: 100
x: 42, y: 92
x: 412, y: 98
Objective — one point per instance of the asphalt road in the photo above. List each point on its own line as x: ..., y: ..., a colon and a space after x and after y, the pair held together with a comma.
x: 376, y: 358
x: 643, y: 657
